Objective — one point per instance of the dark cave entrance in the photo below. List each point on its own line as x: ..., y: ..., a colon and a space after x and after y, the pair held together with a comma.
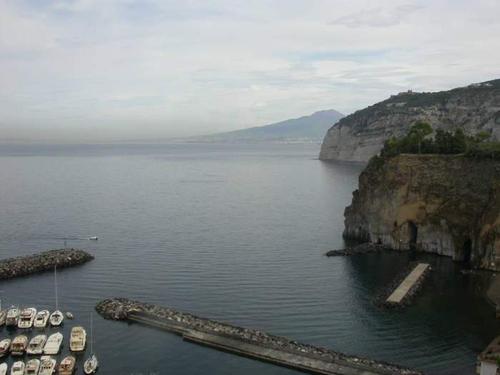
x: 413, y: 234
x: 467, y: 251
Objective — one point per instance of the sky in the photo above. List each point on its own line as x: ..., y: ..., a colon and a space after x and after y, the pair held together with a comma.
x: 107, y: 70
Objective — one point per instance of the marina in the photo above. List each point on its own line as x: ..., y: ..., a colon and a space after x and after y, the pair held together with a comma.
x: 246, y: 342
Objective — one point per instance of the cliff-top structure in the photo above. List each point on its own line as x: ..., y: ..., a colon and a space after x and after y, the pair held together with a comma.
x: 361, y: 135
x: 444, y: 204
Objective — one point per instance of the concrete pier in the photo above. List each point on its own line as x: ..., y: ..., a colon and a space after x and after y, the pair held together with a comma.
x: 40, y: 262
x: 246, y: 342
x: 408, y: 284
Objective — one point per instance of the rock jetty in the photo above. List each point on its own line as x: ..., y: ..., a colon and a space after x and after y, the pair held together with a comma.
x: 247, y: 342
x: 363, y: 248
x: 41, y: 262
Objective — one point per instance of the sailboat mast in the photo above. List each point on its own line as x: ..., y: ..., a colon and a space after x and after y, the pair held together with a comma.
x: 91, y: 335
x: 55, y: 286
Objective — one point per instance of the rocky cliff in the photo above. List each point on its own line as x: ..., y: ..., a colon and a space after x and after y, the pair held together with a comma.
x: 444, y: 204
x: 361, y: 135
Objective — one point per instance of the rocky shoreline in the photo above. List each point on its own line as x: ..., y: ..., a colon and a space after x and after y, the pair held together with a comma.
x: 41, y: 262
x: 364, y: 248
x: 126, y: 309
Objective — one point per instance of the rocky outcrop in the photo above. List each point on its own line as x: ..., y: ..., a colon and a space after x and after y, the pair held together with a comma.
x: 361, y: 135
x: 45, y: 261
x: 444, y: 204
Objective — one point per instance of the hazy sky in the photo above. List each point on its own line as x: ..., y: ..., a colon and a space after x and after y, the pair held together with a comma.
x: 97, y: 70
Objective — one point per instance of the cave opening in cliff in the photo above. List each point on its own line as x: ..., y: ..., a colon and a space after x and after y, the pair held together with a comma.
x: 467, y: 251
x: 413, y: 234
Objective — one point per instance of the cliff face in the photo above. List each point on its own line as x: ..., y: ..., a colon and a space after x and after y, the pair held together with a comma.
x: 361, y: 135
x: 449, y: 205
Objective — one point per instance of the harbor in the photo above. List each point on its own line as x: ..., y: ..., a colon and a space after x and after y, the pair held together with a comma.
x: 42, y: 262
x: 246, y: 342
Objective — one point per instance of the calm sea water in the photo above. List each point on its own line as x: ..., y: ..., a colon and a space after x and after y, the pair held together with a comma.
x: 234, y: 233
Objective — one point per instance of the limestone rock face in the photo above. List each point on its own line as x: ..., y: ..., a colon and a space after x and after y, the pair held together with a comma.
x: 361, y: 135
x: 444, y: 204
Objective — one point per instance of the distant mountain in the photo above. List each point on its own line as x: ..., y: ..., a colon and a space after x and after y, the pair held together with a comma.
x: 310, y: 128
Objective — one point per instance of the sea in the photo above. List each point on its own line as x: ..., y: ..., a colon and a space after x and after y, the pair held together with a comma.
x: 232, y: 232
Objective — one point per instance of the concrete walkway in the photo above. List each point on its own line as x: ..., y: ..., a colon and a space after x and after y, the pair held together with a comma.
x: 402, y: 290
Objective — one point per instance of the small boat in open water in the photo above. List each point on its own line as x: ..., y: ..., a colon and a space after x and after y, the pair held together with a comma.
x: 53, y: 344
x: 36, y: 345
x: 12, y: 317
x: 17, y: 368
x: 5, y: 347
x: 27, y: 317
x: 41, y: 319
x: 67, y: 366
x: 78, y: 339
x: 3, y: 369
x: 47, y: 365
x: 32, y: 367
x: 19, y: 345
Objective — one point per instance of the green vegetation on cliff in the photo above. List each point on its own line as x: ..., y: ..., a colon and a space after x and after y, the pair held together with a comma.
x: 418, y: 141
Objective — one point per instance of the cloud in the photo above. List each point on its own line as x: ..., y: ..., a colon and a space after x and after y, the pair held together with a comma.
x: 152, y: 69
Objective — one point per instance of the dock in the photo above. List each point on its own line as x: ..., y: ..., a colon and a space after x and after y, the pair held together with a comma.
x: 408, y: 284
x: 42, y: 262
x: 246, y: 342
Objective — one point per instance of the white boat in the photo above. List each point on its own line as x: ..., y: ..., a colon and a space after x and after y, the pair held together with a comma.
x: 27, y: 317
x: 78, y: 339
x: 12, y: 316
x: 32, y: 367
x: 53, y: 344
x: 17, y: 368
x: 47, y: 365
x: 67, y: 366
x: 93, y: 238
x: 41, y: 319
x: 57, y: 317
x: 3, y: 368
x: 91, y: 363
x: 36, y: 345
x: 19, y: 345
x: 5, y: 347
x: 3, y: 317
x: 69, y: 315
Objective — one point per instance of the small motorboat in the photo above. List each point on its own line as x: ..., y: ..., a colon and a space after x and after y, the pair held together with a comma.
x: 78, y: 339
x: 90, y: 365
x: 93, y: 238
x: 47, y: 365
x: 41, y: 319
x: 69, y: 315
x: 56, y: 318
x: 36, y: 345
x: 3, y: 369
x: 53, y: 344
x: 32, y: 367
x: 26, y: 318
x: 12, y: 317
x: 17, y: 368
x: 19, y: 345
x: 5, y: 347
x: 67, y: 366
x: 3, y: 317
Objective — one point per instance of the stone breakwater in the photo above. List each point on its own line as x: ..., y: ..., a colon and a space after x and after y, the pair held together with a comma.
x: 363, y: 248
x: 248, y: 342
x: 41, y: 262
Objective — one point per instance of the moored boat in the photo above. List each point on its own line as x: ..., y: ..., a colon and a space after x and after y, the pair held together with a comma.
x: 26, y: 318
x: 53, y: 344
x: 3, y: 368
x: 18, y: 345
x: 91, y: 363
x: 57, y: 317
x: 5, y: 347
x: 67, y: 366
x: 47, y: 365
x: 36, y: 345
x: 3, y: 317
x: 41, y: 319
x: 78, y: 339
x: 12, y: 317
x: 17, y: 368
x: 32, y: 367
